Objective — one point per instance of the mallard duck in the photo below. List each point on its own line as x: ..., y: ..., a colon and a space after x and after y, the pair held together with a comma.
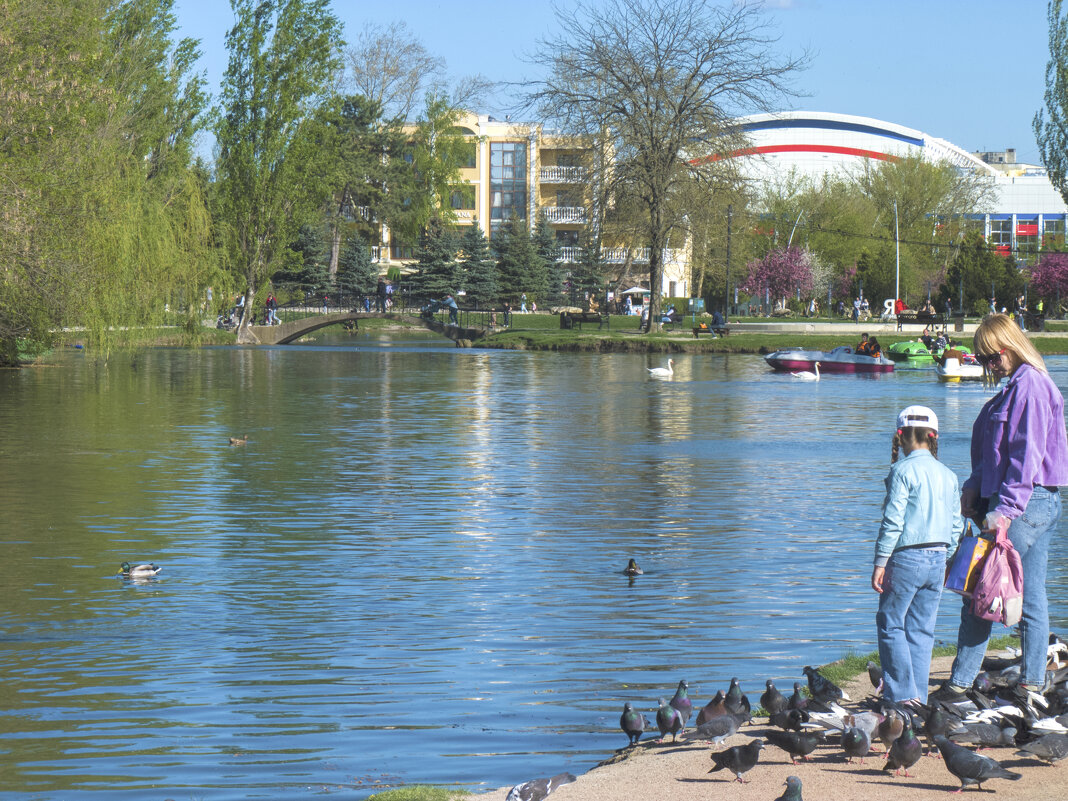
x: 239, y: 440
x: 632, y: 569
x: 138, y: 571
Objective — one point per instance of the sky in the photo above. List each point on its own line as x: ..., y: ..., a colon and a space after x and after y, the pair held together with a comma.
x: 968, y: 71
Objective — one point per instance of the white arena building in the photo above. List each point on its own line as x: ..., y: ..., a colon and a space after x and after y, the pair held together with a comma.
x: 1025, y: 208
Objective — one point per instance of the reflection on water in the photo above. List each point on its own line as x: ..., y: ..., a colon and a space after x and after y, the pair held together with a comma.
x: 412, y: 572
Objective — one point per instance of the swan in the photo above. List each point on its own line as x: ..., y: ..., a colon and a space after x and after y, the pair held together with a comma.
x: 805, y: 375
x: 138, y: 571
x: 662, y: 372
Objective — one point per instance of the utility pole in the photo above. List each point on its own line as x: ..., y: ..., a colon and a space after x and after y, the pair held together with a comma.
x: 727, y: 280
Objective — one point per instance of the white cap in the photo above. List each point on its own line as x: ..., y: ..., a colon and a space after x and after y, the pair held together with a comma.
x: 917, y: 417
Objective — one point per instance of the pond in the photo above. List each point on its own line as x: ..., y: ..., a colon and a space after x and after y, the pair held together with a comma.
x: 412, y: 571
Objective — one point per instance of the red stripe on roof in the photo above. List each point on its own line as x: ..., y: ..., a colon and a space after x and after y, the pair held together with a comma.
x: 844, y: 151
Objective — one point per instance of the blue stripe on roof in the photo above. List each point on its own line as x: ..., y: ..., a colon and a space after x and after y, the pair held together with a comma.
x: 834, y: 125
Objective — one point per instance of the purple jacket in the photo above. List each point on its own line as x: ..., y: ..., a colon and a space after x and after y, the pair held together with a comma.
x: 1018, y: 442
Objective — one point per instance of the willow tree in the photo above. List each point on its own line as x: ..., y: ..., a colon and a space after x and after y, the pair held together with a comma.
x: 659, y: 81
x: 283, y: 56
x: 1051, y: 121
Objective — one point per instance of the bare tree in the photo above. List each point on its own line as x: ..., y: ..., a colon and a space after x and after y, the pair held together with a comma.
x: 390, y: 67
x: 660, y: 81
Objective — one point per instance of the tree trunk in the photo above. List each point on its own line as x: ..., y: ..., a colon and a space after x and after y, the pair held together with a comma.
x: 335, y: 249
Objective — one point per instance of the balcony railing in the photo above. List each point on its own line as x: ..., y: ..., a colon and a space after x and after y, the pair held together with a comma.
x: 572, y: 255
x: 562, y: 175
x: 565, y: 214
x: 376, y: 253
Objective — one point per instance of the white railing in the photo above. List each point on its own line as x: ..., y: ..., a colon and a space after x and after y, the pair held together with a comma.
x: 376, y: 253
x: 565, y: 214
x: 562, y: 175
x: 572, y: 255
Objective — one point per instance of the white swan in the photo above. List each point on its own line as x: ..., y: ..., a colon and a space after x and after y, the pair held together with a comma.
x: 662, y: 372
x: 805, y: 375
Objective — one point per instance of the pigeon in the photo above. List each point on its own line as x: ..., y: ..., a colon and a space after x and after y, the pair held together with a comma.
x: 834, y: 719
x: 797, y: 700
x: 632, y: 569
x: 738, y: 759
x: 889, y: 730
x: 632, y: 723
x: 875, y: 675
x: 772, y: 700
x: 856, y: 743
x: 789, y: 719
x: 904, y: 752
x: 713, y: 708
x: 969, y: 767
x: 719, y: 728
x: 736, y: 701
x: 868, y: 722
x: 938, y: 722
x: 681, y: 702
x: 1049, y: 747
x: 793, y: 790
x: 984, y: 735
x: 537, y: 789
x: 668, y: 719
x: 796, y: 744
x: 822, y: 689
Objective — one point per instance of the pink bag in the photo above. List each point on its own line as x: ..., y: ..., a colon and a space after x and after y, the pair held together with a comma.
x: 998, y: 595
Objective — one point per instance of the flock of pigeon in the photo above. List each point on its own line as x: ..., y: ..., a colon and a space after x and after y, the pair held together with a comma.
x: 1037, y: 724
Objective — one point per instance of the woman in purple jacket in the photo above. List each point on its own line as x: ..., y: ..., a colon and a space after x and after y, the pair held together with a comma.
x: 1019, y: 459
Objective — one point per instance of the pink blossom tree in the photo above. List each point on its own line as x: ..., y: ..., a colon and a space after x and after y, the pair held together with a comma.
x: 781, y: 272
x: 1050, y: 275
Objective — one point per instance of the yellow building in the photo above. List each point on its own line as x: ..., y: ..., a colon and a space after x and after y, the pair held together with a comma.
x: 520, y: 169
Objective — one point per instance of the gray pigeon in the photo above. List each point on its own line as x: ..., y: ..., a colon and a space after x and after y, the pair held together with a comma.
x: 984, y: 735
x: 822, y: 689
x: 738, y: 759
x: 856, y: 743
x: 632, y: 723
x: 938, y: 722
x: 789, y: 719
x: 797, y: 700
x: 718, y: 729
x: 875, y: 675
x: 1049, y: 747
x: 889, y: 730
x: 537, y: 789
x: 904, y: 752
x: 736, y: 702
x: 796, y: 744
x: 772, y: 700
x: 668, y: 720
x: 681, y: 701
x: 793, y: 790
x: 968, y: 766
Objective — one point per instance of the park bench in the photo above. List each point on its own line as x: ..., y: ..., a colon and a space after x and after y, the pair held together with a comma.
x: 1034, y: 321
x: 707, y: 328
x: 910, y: 317
x: 572, y: 319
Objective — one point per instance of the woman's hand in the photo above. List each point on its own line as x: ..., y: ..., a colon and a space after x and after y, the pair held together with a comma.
x: 969, y: 496
x: 877, y: 579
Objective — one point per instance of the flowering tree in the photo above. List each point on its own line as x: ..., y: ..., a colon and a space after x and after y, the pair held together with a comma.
x: 1050, y: 275
x: 782, y: 271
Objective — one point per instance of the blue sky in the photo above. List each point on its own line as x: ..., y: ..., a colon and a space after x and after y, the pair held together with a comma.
x: 970, y: 71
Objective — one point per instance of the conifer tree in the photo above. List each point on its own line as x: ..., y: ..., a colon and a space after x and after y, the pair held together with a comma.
x: 548, y: 249
x: 478, y: 272
x: 438, y: 273
x: 589, y: 273
x: 520, y: 270
x: 306, y: 262
x: 356, y: 273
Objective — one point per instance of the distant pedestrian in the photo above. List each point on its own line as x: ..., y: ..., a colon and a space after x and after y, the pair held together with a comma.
x: 380, y: 296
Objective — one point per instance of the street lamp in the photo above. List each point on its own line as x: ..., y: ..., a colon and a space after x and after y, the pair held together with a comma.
x: 897, y: 258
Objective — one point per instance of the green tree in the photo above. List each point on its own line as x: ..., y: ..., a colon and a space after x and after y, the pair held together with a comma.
x: 282, y: 57
x: 520, y: 270
x: 478, y: 271
x: 975, y: 273
x: 589, y: 274
x: 438, y: 272
x: 305, y: 265
x: 653, y: 80
x: 356, y: 272
x: 1051, y: 121
x: 548, y: 249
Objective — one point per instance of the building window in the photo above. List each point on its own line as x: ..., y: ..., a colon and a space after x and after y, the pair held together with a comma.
x: 1026, y: 235
x: 468, y: 158
x: 1052, y: 232
x: 463, y: 198
x: 1001, y: 233
x: 399, y: 250
x: 508, y: 182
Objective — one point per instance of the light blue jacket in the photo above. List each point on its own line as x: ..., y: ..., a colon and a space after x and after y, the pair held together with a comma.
x: 922, y: 506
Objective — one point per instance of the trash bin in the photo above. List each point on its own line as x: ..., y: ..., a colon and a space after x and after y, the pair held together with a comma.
x: 958, y: 323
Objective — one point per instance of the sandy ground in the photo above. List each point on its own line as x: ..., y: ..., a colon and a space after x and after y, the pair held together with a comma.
x: 679, y: 772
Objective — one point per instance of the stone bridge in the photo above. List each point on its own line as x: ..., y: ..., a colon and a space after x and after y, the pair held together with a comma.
x: 288, y: 332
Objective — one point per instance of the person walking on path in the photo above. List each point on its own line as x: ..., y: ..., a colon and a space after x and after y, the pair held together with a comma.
x: 921, y: 527
x: 1019, y: 458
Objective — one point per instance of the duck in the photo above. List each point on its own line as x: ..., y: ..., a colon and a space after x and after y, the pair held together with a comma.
x: 662, y: 372
x: 239, y: 440
x: 138, y: 571
x: 632, y: 569
x: 805, y: 375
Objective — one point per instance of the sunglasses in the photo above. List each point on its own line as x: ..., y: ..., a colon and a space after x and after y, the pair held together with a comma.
x: 990, y: 359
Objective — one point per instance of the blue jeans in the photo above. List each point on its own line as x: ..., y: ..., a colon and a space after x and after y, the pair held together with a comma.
x: 1030, y: 535
x: 908, y: 608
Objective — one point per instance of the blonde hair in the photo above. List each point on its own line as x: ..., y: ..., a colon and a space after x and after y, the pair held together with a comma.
x: 917, y: 437
x: 998, y: 332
